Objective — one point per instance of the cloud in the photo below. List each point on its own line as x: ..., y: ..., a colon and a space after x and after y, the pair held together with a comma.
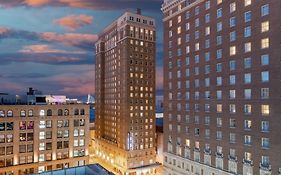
x: 3, y: 30
x: 83, y: 41
x: 88, y: 4
x: 47, y: 58
x: 74, y: 22
x: 43, y: 48
x: 36, y: 3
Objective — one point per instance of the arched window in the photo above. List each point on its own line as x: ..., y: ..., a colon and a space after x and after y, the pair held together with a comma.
x: 49, y: 112
x: 76, y: 112
x: 42, y: 112
x: 22, y: 113
x: 60, y: 112
x: 82, y: 112
x: 2, y: 113
x: 30, y: 113
x: 66, y: 112
x: 10, y: 113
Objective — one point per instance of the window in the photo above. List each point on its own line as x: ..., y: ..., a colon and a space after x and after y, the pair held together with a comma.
x: 265, y: 109
x: 42, y: 113
x: 219, y: 26
x: 265, y: 143
x: 247, y: 140
x: 265, y: 76
x: 49, y: 112
x: 232, y: 50
x: 232, y: 108
x: 219, y: 81
x: 232, y: 36
x: 207, y: 18
x: 247, y: 78
x: 247, y: 47
x: 219, y: 135
x: 247, y: 124
x: 247, y: 109
x: 247, y: 93
x: 265, y: 126
x: 219, y: 122
x: 265, y: 10
x: 264, y: 26
x: 219, y: 95
x: 22, y: 113
x: 42, y: 135
x: 207, y: 5
x: 219, y: 13
x: 219, y: 108
x: 247, y: 31
x: 30, y: 113
x: 232, y: 94
x: 60, y: 112
x: 232, y: 79
x: 265, y: 60
x: 232, y: 22
x: 247, y: 2
x: 264, y: 93
x: 232, y: 65
x: 232, y: 7
x: 265, y: 43
x: 232, y: 137
x: 10, y: 113
x: 232, y: 123
x: 248, y: 157
x: 247, y: 63
x: 248, y: 16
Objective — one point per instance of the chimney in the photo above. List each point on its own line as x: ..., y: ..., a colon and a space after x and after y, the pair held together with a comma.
x: 138, y: 11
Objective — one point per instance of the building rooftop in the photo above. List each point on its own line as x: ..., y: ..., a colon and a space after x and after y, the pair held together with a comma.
x: 93, y: 169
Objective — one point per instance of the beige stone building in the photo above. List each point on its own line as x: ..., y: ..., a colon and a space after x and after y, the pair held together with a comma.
x: 38, y: 138
x: 125, y: 95
x: 222, y: 87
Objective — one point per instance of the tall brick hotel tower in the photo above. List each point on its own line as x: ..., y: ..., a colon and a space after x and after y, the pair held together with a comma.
x: 125, y: 94
x: 222, y: 72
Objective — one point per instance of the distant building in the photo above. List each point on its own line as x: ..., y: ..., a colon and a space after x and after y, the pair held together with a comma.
x: 125, y: 94
x: 222, y: 90
x: 39, y: 138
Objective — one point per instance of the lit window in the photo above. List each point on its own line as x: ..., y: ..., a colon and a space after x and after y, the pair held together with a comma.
x: 232, y: 50
x: 265, y: 109
x: 247, y: 2
x: 179, y: 19
x: 219, y: 108
x: 219, y: 1
x: 232, y: 7
x: 265, y: 43
x: 247, y: 47
x: 265, y: 26
x: 42, y: 112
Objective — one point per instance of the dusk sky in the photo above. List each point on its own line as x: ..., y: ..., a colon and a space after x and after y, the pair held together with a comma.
x: 49, y: 44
